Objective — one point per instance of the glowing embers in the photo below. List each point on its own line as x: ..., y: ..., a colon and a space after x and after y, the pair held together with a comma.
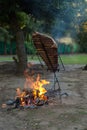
x: 33, y: 94
x: 30, y: 98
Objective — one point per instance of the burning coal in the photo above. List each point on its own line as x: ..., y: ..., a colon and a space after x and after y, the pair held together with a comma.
x: 33, y: 94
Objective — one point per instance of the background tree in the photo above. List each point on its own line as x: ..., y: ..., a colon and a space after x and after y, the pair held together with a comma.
x: 82, y: 37
x: 10, y: 17
x: 56, y: 17
x: 12, y: 11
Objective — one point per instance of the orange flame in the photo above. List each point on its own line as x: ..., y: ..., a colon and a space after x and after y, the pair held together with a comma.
x: 36, y: 86
x: 21, y: 95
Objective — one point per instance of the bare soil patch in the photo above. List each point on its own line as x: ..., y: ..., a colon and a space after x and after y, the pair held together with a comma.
x: 71, y: 114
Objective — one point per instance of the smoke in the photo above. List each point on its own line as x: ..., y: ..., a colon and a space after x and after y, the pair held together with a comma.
x: 66, y: 40
x: 65, y: 15
x: 73, y: 13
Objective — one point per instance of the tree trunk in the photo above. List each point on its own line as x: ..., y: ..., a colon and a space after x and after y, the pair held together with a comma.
x: 21, y: 53
x: 21, y: 60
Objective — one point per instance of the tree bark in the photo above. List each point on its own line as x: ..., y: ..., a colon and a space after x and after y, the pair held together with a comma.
x: 21, y: 53
x: 21, y: 61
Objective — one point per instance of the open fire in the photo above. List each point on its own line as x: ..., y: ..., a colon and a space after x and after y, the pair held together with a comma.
x: 33, y: 94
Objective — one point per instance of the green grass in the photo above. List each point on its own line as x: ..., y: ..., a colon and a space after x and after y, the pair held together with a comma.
x: 5, y: 58
x: 67, y: 59
x: 9, y: 58
x: 74, y: 59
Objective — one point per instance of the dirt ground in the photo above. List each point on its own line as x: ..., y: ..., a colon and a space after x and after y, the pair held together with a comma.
x: 70, y: 114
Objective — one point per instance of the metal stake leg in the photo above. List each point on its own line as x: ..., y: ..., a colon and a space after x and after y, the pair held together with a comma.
x: 61, y: 61
x: 56, y: 81
x: 40, y: 61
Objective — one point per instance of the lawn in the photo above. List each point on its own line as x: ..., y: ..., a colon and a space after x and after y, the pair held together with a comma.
x: 74, y: 59
x: 67, y: 59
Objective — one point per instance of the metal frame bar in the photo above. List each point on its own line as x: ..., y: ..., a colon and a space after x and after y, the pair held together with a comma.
x: 39, y: 59
x: 55, y: 77
x: 60, y: 58
x: 52, y: 68
x: 61, y: 62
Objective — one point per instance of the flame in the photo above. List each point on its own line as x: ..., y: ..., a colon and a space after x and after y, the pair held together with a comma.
x: 38, y: 86
x: 20, y: 94
x: 32, y: 88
